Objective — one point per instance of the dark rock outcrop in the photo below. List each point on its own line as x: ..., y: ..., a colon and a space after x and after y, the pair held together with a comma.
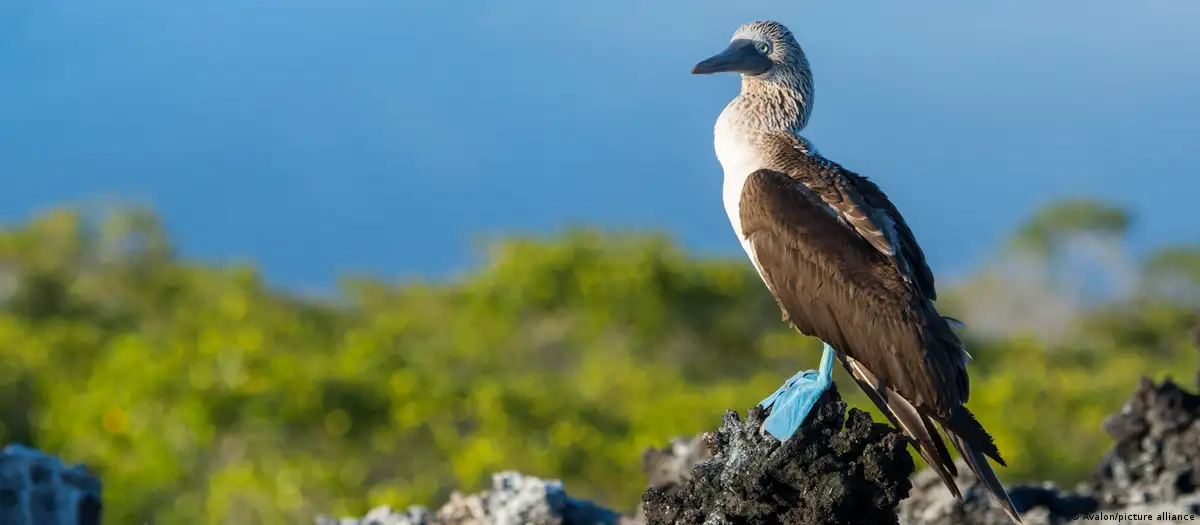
x: 1157, y: 454
x: 840, y: 468
x: 38, y: 489
x: 667, y: 469
x: 1153, y: 470
x: 930, y: 503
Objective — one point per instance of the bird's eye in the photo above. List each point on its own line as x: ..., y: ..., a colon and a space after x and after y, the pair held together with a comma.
x: 763, y: 48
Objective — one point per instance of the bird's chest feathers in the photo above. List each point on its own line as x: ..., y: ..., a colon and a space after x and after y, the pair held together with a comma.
x: 739, y: 158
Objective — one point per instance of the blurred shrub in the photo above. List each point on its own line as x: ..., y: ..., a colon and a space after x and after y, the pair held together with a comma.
x: 200, y: 395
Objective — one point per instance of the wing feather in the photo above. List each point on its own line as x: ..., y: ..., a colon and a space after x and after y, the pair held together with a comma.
x: 832, y: 285
x: 860, y: 205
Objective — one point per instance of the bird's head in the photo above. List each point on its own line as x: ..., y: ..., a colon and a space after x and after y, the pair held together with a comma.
x: 764, y: 50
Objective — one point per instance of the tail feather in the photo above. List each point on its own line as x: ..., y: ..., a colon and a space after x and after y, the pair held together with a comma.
x: 963, y: 424
x: 938, y: 443
x: 967, y: 435
x: 983, y: 470
x: 958, y: 325
x: 906, y: 417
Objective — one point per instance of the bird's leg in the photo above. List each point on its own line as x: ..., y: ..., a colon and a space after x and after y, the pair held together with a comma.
x: 791, y: 403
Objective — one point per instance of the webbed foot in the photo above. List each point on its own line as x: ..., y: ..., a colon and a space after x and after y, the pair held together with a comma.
x: 792, y: 402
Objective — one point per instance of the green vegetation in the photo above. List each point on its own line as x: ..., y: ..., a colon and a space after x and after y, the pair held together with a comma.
x: 200, y: 395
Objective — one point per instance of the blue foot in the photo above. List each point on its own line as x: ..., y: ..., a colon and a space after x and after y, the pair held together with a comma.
x: 793, y: 401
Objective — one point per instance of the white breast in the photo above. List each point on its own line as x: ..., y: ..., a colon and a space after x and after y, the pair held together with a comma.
x: 739, y: 158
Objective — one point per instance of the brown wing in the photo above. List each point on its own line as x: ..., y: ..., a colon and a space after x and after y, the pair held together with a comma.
x: 833, y: 284
x: 857, y: 202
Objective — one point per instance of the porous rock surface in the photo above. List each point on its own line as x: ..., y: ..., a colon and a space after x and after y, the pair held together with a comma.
x: 667, y: 468
x: 1156, y: 460
x: 840, y: 468
x: 1152, y: 475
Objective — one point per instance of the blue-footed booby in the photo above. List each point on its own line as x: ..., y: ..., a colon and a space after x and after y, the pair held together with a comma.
x: 841, y: 262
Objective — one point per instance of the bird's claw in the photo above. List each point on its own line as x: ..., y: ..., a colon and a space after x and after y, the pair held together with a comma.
x: 791, y: 403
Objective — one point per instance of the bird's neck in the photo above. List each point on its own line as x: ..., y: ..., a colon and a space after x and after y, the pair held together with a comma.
x: 762, y: 108
x: 767, y: 106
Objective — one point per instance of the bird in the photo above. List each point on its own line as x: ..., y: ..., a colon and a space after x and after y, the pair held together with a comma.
x: 841, y: 263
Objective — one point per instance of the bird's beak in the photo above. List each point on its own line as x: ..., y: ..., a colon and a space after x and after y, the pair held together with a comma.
x: 741, y: 57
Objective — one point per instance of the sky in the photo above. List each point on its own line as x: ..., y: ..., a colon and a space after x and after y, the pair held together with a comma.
x: 388, y: 137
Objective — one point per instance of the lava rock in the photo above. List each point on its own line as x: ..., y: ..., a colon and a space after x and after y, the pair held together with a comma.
x: 1157, y: 454
x: 666, y: 469
x: 38, y: 489
x: 514, y: 499
x: 839, y: 468
x: 415, y: 515
x: 931, y: 503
